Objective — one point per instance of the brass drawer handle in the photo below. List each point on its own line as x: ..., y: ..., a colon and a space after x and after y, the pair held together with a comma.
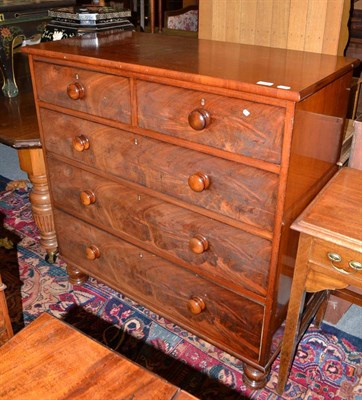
x: 356, y: 265
x: 336, y: 258
x: 199, y: 119
x: 196, y: 305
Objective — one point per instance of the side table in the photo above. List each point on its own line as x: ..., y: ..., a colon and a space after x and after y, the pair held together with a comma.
x: 19, y: 129
x: 329, y: 254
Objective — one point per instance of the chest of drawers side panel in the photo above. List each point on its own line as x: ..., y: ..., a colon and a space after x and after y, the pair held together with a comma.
x: 315, y: 151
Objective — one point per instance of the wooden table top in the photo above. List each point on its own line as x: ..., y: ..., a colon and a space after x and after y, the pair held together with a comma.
x: 18, y: 122
x: 51, y: 360
x: 336, y: 213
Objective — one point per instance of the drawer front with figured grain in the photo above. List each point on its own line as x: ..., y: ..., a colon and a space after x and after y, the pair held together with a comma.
x: 215, y: 250
x: 215, y: 184
x: 91, y: 92
x: 234, y: 125
x: 197, y: 304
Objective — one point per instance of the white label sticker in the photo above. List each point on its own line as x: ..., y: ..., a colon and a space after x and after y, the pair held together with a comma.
x: 265, y: 83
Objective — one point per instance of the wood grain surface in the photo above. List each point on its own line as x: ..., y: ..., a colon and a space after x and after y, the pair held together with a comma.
x: 51, y: 360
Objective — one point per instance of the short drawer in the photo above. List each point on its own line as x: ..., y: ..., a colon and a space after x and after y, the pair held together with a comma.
x: 232, y: 189
x: 94, y: 93
x: 210, y: 248
x: 346, y: 262
x: 234, y: 125
x: 195, y: 303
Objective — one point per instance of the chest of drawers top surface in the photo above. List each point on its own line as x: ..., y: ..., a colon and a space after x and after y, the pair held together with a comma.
x: 280, y: 73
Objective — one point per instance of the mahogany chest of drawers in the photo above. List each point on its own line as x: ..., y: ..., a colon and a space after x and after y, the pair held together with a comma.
x: 176, y: 167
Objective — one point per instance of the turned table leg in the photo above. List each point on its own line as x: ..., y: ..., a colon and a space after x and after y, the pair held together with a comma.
x: 31, y: 161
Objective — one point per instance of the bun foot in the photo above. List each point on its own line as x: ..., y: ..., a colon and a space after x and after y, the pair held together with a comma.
x: 253, y: 378
x: 76, y: 277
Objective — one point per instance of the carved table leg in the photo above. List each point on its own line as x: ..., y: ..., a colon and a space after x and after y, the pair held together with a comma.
x: 31, y: 161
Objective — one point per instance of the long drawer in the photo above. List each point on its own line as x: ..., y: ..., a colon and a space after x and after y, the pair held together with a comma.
x: 95, y: 93
x: 210, y: 248
x: 235, y: 125
x: 226, y: 187
x: 185, y: 298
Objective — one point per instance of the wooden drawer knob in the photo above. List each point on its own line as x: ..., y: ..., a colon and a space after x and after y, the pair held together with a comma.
x: 198, y: 244
x: 199, y: 119
x: 92, y: 252
x: 75, y: 91
x: 199, y: 182
x: 87, y: 197
x: 80, y: 143
x: 196, y: 305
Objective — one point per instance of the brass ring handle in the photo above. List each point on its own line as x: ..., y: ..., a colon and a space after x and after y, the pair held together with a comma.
x: 92, y: 252
x: 336, y: 258
x: 87, y: 197
x: 75, y: 91
x: 199, y: 119
x: 356, y: 265
x: 198, y: 244
x: 80, y: 143
x: 196, y: 305
x: 199, y: 182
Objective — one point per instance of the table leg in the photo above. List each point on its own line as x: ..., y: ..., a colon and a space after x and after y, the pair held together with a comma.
x: 31, y: 161
x: 6, y: 330
x: 294, y: 315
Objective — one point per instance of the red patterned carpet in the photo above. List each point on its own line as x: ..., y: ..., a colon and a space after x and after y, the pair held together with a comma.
x: 327, y: 365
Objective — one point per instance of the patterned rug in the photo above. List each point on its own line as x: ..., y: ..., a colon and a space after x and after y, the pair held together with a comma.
x: 327, y: 365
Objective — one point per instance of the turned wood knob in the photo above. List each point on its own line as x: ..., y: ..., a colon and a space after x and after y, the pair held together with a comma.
x: 87, y: 197
x: 92, y: 252
x: 199, y: 119
x: 196, y: 305
x: 75, y: 91
x: 80, y: 143
x: 198, y: 244
x: 199, y: 182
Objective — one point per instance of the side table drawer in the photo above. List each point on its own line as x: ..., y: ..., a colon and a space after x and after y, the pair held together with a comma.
x: 94, y: 93
x: 199, y: 305
x: 345, y: 261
